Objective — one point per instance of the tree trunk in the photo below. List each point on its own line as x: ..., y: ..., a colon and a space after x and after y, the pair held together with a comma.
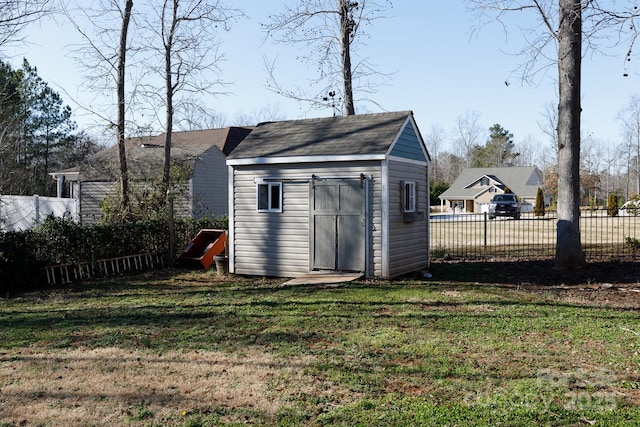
x: 568, y: 247
x: 637, y: 164
x: 168, y: 75
x: 346, y: 25
x: 124, y: 174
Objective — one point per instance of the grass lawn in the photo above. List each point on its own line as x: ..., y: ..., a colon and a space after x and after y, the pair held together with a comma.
x: 177, y: 348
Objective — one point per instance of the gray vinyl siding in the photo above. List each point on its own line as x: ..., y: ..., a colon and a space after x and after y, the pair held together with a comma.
x: 92, y: 193
x: 181, y: 201
x: 209, y: 185
x: 277, y: 244
x: 408, y: 242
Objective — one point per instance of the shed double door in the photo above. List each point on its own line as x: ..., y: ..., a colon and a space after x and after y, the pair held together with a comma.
x: 338, y: 223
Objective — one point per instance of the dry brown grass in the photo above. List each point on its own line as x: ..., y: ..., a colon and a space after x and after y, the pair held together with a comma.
x: 532, y: 236
x: 112, y: 386
x: 514, y: 344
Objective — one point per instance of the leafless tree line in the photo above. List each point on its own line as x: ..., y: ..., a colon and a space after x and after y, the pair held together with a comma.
x: 610, y: 165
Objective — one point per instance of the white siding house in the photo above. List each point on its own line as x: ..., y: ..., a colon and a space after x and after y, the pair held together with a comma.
x: 343, y: 193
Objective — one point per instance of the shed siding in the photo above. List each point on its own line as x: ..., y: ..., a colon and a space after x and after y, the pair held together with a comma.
x: 209, y: 185
x: 277, y: 244
x: 408, y: 145
x: 408, y: 242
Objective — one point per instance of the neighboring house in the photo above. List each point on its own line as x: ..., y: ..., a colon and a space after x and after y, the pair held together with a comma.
x: 474, y: 188
x: 346, y: 193
x: 199, y: 156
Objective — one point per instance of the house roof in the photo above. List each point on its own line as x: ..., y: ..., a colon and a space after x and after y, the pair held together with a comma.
x: 523, y: 181
x: 362, y: 135
x: 145, y: 155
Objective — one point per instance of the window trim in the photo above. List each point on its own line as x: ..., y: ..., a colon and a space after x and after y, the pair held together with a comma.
x: 409, y: 196
x: 270, y: 202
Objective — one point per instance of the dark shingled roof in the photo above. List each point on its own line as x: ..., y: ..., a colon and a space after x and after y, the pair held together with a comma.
x: 332, y: 136
x: 145, y: 155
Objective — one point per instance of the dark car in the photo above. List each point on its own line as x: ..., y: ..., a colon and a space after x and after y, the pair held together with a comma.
x: 504, y: 205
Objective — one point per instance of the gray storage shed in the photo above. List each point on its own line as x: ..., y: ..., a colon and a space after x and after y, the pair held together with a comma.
x: 347, y: 193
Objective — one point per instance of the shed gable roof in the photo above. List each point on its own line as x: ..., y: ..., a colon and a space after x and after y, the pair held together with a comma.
x: 361, y: 135
x: 145, y: 155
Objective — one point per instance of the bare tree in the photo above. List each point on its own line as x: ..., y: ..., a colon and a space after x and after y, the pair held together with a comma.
x: 628, y: 148
x: 549, y: 158
x: 435, y: 139
x: 611, y: 171
x: 451, y: 166
x: 120, y: 84
x: 185, y: 36
x: 196, y: 116
x: 105, y: 28
x: 565, y: 31
x: 16, y: 15
x: 529, y: 151
x: 467, y: 134
x: 630, y: 120
x: 331, y: 28
x: 549, y: 125
x: 569, y: 252
x: 267, y: 113
x: 591, y: 164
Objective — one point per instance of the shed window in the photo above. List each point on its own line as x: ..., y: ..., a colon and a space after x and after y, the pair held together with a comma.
x: 270, y: 197
x: 408, y: 196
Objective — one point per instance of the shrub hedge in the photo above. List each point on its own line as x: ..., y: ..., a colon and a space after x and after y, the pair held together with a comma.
x: 24, y: 254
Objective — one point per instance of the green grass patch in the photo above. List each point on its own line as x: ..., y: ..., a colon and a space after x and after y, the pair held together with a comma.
x: 397, y: 353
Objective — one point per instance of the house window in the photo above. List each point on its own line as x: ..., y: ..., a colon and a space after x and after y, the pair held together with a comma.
x: 484, y: 181
x: 409, y: 196
x: 270, y: 197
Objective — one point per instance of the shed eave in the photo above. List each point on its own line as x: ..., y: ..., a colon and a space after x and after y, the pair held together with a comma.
x: 69, y: 175
x: 305, y: 159
x: 405, y: 160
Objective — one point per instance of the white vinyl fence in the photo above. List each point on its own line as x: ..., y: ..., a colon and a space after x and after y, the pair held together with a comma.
x: 23, y: 212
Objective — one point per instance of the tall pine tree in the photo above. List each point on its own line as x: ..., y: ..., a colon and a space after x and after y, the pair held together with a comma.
x: 37, y: 134
x: 10, y: 125
x: 497, y: 152
x: 48, y: 129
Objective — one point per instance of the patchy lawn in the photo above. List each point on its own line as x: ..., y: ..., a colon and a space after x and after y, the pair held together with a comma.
x: 513, y: 344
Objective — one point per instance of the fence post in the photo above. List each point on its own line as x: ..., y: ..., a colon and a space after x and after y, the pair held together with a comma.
x: 36, y: 205
x: 485, y: 237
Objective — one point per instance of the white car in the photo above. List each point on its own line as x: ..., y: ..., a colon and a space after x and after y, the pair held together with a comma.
x: 630, y: 208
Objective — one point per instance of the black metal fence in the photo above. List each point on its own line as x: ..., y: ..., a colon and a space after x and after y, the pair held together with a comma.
x: 476, y: 237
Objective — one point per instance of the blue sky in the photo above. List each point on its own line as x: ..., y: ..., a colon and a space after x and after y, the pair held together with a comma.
x: 441, y: 69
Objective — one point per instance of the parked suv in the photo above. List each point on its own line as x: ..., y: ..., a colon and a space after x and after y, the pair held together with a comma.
x: 504, y: 205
